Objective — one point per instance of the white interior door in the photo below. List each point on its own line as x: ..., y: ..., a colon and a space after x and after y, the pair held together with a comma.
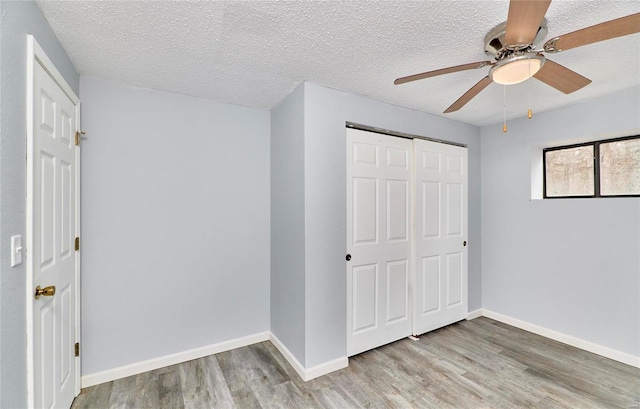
x: 440, y: 290
x: 52, y: 220
x: 379, y: 223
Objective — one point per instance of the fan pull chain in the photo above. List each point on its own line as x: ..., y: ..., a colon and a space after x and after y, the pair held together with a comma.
x: 529, y: 112
x: 504, y: 109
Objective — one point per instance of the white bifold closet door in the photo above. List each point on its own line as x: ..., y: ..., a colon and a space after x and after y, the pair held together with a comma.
x: 402, y: 276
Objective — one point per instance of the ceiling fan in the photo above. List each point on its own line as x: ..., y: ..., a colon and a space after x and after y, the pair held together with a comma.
x: 513, y: 44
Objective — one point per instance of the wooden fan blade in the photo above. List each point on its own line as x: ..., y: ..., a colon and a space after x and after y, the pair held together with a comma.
x: 561, y: 78
x: 524, y: 20
x: 468, y: 96
x: 442, y: 71
x: 604, y: 31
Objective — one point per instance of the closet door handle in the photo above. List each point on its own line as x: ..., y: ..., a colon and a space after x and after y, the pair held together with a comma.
x: 348, y: 257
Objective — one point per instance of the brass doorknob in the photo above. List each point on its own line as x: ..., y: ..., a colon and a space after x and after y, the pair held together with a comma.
x: 47, y: 291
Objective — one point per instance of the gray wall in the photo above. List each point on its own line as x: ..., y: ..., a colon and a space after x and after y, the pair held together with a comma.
x: 175, y: 232
x: 570, y: 265
x: 287, y: 223
x: 17, y: 20
x: 326, y: 112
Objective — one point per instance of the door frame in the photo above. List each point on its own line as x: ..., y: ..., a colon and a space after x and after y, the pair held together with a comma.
x: 36, y: 55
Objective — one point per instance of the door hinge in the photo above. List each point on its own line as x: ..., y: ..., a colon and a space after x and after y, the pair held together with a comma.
x: 77, y: 243
x: 76, y: 349
x: 78, y: 136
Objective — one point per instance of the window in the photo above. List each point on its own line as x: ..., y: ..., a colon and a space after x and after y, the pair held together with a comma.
x: 606, y: 168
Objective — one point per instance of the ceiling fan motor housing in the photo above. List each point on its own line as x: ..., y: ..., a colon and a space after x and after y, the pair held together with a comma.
x: 515, y: 62
x: 495, y: 45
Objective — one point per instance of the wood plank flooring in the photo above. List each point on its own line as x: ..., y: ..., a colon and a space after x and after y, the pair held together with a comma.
x: 472, y: 364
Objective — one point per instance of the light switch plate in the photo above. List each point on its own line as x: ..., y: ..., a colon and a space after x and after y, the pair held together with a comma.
x: 16, y: 250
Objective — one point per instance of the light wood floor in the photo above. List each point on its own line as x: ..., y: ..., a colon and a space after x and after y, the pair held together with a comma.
x: 472, y: 364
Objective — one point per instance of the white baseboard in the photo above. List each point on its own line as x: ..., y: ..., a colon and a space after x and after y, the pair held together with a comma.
x: 313, y: 372
x: 474, y: 314
x: 163, y: 361
x: 325, y: 368
x: 305, y: 374
x: 598, y: 349
x: 293, y: 361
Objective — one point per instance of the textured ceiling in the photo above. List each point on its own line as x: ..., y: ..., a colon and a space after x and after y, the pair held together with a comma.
x: 254, y: 53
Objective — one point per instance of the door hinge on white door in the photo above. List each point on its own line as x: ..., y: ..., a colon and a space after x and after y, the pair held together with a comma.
x: 77, y: 243
x: 76, y: 349
x: 78, y: 136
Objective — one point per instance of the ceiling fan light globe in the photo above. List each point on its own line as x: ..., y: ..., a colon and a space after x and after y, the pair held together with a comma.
x: 516, y: 70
